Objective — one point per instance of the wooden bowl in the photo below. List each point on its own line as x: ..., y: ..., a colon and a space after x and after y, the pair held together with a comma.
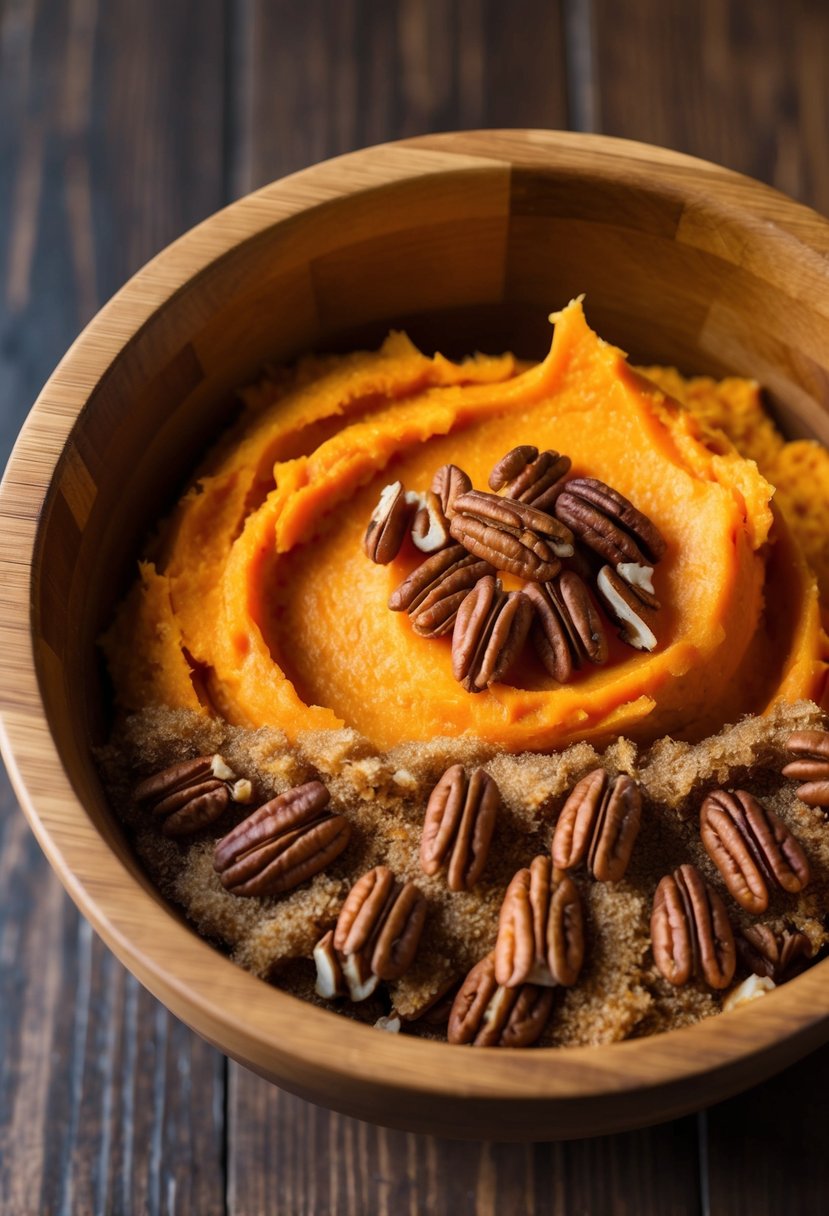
x: 471, y: 240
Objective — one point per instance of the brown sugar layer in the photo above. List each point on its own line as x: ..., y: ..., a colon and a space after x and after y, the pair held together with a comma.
x: 619, y: 993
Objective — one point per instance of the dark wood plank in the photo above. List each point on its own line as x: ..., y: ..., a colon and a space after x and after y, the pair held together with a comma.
x: 110, y: 145
x: 290, y: 1157
x: 767, y: 1148
x: 315, y: 79
x: 741, y: 83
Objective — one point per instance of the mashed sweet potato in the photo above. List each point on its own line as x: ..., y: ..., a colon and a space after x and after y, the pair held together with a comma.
x: 260, y: 606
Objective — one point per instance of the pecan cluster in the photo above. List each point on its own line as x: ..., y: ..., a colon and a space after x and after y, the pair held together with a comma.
x: 507, y: 997
x: 192, y: 794
x: 527, y: 526
x: 756, y: 855
x: 283, y: 843
x: 487, y: 1014
x: 375, y: 938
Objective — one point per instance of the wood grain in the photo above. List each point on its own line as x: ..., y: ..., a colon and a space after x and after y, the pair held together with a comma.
x: 95, y: 175
x: 289, y: 1156
x: 361, y: 72
x: 107, y: 1102
x: 225, y: 274
x: 738, y: 83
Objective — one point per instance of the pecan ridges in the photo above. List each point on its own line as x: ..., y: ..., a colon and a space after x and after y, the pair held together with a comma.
x: 752, y: 848
x: 691, y: 934
x: 567, y: 627
x: 608, y: 523
x: 381, y: 922
x: 486, y: 1014
x: 778, y: 955
x: 598, y: 825
x: 435, y: 590
x: 449, y: 483
x: 458, y: 826
x: 540, y: 929
x: 810, y: 749
x: 281, y: 844
x: 190, y: 795
x: 511, y: 536
x: 490, y: 630
x: 526, y: 475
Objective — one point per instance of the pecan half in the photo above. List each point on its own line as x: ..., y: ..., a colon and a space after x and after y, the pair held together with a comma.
x: 811, y: 765
x: 486, y: 1014
x: 634, y: 618
x: 779, y: 956
x: 511, y: 535
x: 435, y: 590
x: 598, y: 824
x: 430, y: 527
x: 330, y: 981
x: 379, y: 928
x: 567, y: 627
x: 490, y: 630
x: 526, y: 475
x: 188, y: 796
x: 448, y: 483
x: 283, y: 843
x: 690, y: 931
x: 752, y: 848
x: 540, y: 929
x: 388, y: 524
x: 457, y: 830
x: 608, y: 523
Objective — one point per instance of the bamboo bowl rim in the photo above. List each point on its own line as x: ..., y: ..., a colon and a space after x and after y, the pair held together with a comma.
x: 247, y: 1018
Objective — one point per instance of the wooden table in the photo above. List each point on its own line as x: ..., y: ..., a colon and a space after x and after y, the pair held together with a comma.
x: 121, y: 124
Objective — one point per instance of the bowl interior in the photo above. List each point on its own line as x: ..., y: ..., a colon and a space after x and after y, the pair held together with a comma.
x: 469, y: 242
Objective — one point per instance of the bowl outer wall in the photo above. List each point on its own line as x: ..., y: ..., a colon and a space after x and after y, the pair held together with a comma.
x: 396, y: 1080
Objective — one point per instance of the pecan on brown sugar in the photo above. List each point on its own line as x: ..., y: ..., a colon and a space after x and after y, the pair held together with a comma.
x: 388, y: 525
x: 527, y: 475
x: 511, y: 536
x: 192, y: 794
x: 691, y: 934
x: 490, y: 630
x: 608, y: 523
x: 448, y: 483
x: 598, y: 825
x: 778, y: 955
x: 378, y: 930
x: 567, y: 627
x: 810, y: 765
x: 540, y: 929
x: 486, y: 1014
x: 435, y: 590
x: 283, y: 843
x: 457, y: 830
x: 752, y: 848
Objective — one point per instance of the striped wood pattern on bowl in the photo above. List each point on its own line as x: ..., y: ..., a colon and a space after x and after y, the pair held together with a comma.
x: 468, y: 240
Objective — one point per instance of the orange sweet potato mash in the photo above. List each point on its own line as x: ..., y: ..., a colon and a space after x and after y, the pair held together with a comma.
x: 259, y: 604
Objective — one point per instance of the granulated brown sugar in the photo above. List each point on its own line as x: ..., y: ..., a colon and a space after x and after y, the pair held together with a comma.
x: 619, y: 993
